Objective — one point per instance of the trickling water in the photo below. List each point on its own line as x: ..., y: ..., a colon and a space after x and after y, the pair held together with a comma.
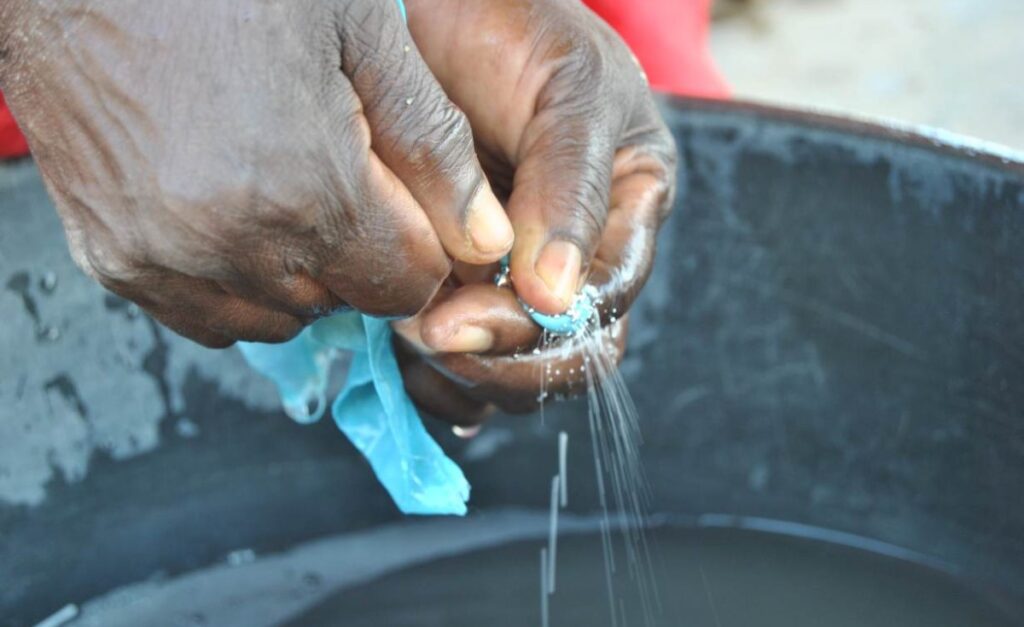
x: 622, y: 488
x: 615, y: 431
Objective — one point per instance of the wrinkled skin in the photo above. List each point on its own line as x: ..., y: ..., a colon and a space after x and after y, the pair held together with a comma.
x: 238, y: 168
x: 568, y: 133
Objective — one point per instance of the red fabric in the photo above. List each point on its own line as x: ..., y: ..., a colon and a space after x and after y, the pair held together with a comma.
x: 669, y: 37
x: 12, y: 144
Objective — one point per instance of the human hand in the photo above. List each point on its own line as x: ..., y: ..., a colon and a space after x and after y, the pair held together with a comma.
x: 569, y: 134
x: 240, y: 168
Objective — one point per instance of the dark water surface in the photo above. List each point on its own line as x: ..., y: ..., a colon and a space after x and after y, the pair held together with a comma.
x: 712, y: 578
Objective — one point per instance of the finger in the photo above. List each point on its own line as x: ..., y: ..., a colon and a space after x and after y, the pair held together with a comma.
x: 438, y: 395
x: 422, y: 137
x: 641, y: 198
x: 559, y: 199
x: 519, y: 385
x: 376, y: 249
x: 409, y: 329
x: 479, y: 318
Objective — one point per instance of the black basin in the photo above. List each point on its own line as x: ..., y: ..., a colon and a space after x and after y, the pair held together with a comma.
x: 833, y: 336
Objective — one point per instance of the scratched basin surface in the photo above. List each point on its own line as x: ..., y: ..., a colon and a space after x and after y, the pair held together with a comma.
x: 833, y: 336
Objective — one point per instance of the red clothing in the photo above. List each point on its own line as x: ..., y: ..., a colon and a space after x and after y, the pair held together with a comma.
x: 12, y: 144
x: 669, y: 37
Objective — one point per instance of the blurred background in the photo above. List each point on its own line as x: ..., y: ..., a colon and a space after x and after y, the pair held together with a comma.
x: 953, y: 64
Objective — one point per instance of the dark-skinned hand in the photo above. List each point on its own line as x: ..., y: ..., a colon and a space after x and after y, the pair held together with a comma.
x: 240, y: 167
x: 570, y: 137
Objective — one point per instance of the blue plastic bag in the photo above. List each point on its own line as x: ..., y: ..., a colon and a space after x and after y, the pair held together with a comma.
x: 373, y: 410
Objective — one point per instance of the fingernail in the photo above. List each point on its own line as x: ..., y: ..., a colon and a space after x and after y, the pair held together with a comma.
x: 466, y: 432
x: 489, y: 228
x: 469, y: 340
x: 559, y: 267
x: 409, y: 330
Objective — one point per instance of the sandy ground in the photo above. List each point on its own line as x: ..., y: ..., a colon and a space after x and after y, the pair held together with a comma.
x: 954, y: 64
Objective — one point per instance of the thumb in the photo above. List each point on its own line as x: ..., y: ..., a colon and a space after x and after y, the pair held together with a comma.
x: 420, y: 135
x: 559, y: 203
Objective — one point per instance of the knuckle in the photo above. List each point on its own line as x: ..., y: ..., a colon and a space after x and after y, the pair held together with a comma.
x: 354, y: 137
x: 109, y: 265
x: 421, y: 126
x: 362, y: 25
x: 439, y: 143
x: 584, y: 63
x: 582, y: 211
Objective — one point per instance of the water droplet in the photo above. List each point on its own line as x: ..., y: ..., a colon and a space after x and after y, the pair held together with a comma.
x: 408, y: 101
x: 241, y: 556
x: 185, y: 428
x: 49, y: 282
